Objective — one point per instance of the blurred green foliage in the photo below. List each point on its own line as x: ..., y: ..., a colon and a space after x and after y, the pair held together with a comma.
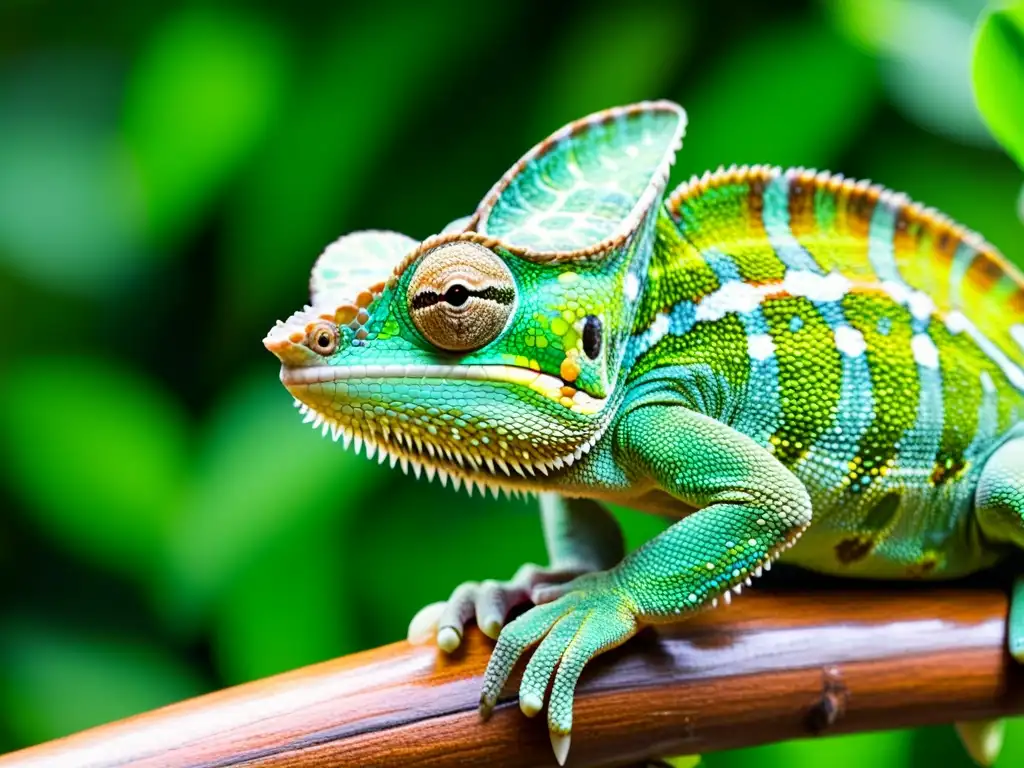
x: 999, y: 71
x: 169, y: 172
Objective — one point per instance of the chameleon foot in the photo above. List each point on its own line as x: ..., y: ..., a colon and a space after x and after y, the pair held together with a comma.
x: 594, y: 614
x: 489, y: 602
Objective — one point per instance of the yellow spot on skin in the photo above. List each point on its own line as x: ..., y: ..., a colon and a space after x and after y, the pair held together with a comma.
x: 570, y: 369
x: 559, y: 326
x: 566, y: 278
x: 522, y: 362
x: 345, y: 314
x: 566, y: 401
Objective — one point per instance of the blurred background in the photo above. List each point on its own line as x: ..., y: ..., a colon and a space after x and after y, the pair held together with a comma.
x: 168, y: 174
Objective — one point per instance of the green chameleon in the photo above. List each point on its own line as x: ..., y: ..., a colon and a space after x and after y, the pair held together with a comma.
x: 786, y: 362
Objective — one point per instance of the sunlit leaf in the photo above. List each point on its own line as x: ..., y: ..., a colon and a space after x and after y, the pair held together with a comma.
x: 290, y: 607
x: 260, y: 473
x: 889, y: 749
x: 792, y: 95
x: 55, y: 681
x: 97, y: 453
x: 70, y: 209
x: 200, y: 97
x: 999, y: 75
x: 1013, y: 744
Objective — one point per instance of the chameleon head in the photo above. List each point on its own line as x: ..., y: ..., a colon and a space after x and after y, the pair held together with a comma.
x: 470, y: 360
x: 492, y: 350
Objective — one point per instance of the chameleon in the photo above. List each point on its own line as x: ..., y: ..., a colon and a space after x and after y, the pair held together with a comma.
x: 787, y: 363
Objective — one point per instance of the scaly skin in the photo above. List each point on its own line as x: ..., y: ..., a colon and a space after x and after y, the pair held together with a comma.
x: 764, y: 354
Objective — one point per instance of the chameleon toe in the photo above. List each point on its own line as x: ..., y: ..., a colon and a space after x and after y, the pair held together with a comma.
x: 448, y: 640
x: 423, y: 626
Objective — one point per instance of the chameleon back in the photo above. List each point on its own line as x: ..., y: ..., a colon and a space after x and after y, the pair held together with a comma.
x: 875, y: 347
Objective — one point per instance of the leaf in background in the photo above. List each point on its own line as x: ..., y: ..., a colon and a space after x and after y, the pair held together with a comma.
x: 792, y: 95
x: 290, y: 607
x: 99, y: 455
x: 1013, y: 744
x: 420, y: 541
x: 999, y: 76
x: 890, y: 749
x: 640, y: 50
x: 70, y: 208
x: 924, y: 55
x: 95, y: 680
x: 201, y: 96
x: 940, y: 745
x: 376, y: 73
x: 260, y: 473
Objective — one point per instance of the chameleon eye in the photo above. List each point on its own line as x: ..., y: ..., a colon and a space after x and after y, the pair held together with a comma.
x: 322, y: 338
x: 461, y: 296
x: 592, y: 336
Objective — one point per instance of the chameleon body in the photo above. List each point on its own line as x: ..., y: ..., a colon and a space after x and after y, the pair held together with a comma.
x: 772, y: 357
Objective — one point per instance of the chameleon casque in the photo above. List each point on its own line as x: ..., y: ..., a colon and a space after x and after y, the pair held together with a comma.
x: 788, y: 362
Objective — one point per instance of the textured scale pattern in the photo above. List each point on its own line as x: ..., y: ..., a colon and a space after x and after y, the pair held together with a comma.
x: 790, y: 363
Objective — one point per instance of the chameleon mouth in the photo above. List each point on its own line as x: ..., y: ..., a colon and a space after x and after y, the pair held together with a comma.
x: 551, y: 387
x: 483, y: 467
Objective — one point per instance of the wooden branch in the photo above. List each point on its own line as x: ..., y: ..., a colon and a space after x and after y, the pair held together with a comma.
x: 768, y: 668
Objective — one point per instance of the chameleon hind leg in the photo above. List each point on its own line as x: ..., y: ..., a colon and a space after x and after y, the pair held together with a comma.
x: 999, y: 511
x: 580, y: 535
x: 749, y: 507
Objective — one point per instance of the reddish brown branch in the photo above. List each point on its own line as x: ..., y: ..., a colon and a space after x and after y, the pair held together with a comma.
x: 771, y: 667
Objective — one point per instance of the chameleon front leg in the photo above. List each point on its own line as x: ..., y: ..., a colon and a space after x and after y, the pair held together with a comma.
x: 580, y: 535
x: 749, y: 508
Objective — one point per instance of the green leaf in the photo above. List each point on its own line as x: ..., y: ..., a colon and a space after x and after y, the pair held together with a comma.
x: 55, y: 681
x: 290, y: 607
x: 97, y: 453
x: 260, y: 473
x: 999, y: 76
x: 71, y: 215
x: 201, y: 96
x: 792, y: 95
x: 890, y: 749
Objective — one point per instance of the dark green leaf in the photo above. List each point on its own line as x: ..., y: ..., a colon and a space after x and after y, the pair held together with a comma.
x: 97, y: 453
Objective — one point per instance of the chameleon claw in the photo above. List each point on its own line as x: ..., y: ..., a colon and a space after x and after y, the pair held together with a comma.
x: 487, y: 706
x: 560, y: 744
x: 530, y: 704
